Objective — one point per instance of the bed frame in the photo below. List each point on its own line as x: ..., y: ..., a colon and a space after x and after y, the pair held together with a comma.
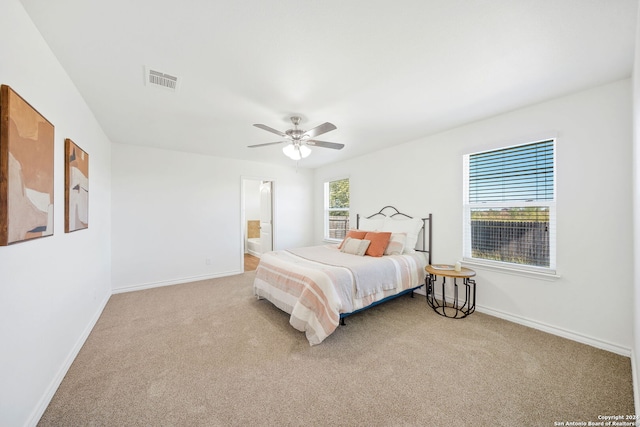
x: 427, y: 223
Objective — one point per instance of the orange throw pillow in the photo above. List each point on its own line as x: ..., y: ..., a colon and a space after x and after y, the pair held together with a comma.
x: 379, y: 242
x: 354, y: 234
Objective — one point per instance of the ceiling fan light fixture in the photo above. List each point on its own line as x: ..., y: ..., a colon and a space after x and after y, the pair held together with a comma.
x: 296, y: 152
x: 304, y: 151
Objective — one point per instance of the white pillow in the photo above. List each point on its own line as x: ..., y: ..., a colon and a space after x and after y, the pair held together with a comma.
x: 355, y: 246
x: 411, y: 226
x: 396, y: 244
x: 372, y: 224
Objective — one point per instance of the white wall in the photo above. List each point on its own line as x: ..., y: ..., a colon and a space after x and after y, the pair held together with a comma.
x: 635, y: 356
x: 592, y: 300
x: 53, y: 289
x: 173, y: 211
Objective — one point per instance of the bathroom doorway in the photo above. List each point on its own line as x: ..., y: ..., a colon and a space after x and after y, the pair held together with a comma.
x: 257, y: 212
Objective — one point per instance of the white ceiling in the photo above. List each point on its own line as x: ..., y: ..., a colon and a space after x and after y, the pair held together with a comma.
x: 383, y: 71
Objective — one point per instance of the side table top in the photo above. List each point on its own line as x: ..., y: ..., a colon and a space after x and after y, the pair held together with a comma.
x: 449, y: 271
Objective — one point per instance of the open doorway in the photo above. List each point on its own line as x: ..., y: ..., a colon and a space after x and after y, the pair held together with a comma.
x: 257, y: 213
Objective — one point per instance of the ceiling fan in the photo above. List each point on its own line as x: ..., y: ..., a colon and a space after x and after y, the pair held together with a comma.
x: 299, y: 140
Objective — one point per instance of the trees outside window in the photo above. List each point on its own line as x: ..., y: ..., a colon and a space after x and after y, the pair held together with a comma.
x: 336, y: 209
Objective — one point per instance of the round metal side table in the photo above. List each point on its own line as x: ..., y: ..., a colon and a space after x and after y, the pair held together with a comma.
x: 456, y: 308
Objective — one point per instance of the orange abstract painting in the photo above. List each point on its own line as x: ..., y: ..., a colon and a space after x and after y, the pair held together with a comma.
x: 26, y: 170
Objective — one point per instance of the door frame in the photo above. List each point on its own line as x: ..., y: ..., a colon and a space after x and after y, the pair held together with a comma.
x: 243, y: 219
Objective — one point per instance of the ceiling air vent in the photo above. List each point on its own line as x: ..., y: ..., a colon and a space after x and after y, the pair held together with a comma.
x: 159, y: 79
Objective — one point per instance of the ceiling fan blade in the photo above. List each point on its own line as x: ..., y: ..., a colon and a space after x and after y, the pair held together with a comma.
x: 267, y: 143
x: 272, y: 130
x: 319, y: 130
x: 325, y: 144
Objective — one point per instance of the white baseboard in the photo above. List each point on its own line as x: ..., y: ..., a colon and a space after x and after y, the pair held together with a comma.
x: 574, y: 336
x: 57, y: 380
x: 182, y: 280
x: 554, y: 330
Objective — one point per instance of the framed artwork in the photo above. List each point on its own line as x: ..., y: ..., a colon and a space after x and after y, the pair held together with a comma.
x: 26, y: 170
x: 76, y: 187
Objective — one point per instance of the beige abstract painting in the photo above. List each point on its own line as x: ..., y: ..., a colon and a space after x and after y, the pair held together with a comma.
x: 76, y: 189
x: 26, y: 170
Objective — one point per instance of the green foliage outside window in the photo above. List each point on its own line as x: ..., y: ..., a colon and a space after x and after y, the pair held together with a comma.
x: 339, y: 197
x: 528, y: 214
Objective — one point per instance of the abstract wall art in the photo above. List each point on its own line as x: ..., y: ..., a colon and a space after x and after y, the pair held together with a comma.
x: 26, y: 170
x: 76, y: 187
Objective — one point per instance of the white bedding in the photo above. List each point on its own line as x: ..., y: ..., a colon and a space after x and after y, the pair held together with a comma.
x: 316, y: 284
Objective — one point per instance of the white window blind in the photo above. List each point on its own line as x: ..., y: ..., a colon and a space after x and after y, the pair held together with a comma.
x: 509, y: 206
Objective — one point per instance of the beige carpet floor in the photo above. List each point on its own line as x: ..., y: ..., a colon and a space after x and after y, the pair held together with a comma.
x: 209, y: 354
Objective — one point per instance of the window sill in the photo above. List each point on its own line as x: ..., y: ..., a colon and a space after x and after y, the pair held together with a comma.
x: 549, y: 276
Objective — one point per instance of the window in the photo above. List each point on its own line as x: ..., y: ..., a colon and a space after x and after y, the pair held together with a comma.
x: 336, y: 209
x: 510, y: 206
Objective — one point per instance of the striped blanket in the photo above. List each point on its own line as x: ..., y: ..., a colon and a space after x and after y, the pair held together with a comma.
x: 315, y: 285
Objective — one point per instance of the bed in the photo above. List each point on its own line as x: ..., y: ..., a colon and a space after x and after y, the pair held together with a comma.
x: 320, y: 286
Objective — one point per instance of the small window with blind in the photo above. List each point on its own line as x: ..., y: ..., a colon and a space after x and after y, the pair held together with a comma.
x: 336, y: 209
x: 510, y: 207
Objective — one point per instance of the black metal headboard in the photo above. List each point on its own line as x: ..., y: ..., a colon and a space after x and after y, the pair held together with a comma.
x: 427, y: 223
